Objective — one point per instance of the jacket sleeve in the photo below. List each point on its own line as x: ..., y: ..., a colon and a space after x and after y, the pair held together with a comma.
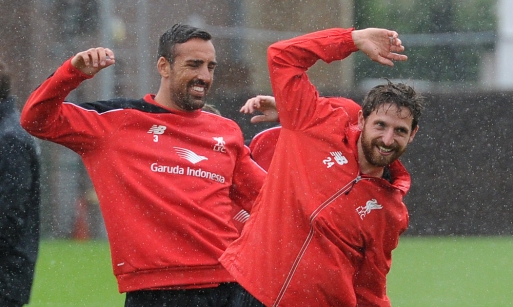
x: 351, y: 107
x: 48, y: 116
x: 288, y: 61
x: 248, y: 179
x: 43, y: 107
x: 15, y: 181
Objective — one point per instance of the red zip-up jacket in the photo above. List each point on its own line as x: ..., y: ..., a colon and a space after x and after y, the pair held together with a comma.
x: 166, y: 180
x: 320, y: 233
x: 263, y: 144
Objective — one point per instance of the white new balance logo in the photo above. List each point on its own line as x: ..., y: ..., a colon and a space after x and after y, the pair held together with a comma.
x: 369, y: 206
x: 340, y: 159
x: 156, y: 130
x: 189, y: 155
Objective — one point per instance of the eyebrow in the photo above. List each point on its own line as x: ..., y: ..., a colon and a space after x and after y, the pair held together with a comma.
x: 405, y: 128
x: 201, y: 62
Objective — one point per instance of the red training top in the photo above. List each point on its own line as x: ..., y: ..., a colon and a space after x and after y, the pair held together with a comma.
x: 166, y: 180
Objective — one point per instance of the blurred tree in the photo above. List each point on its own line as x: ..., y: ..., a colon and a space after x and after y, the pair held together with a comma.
x: 430, y: 59
x: 77, y: 17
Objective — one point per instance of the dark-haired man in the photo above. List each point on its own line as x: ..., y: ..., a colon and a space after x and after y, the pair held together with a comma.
x: 167, y: 174
x: 330, y: 212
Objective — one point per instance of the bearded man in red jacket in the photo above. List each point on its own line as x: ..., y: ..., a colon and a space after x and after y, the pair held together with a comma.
x: 331, y: 210
x: 167, y: 174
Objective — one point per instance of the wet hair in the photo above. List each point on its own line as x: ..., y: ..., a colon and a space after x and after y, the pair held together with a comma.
x: 178, y: 34
x: 398, y: 94
x: 5, y: 80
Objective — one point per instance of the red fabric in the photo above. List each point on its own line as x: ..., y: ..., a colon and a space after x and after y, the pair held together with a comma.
x: 320, y: 233
x: 165, y: 180
x: 262, y: 146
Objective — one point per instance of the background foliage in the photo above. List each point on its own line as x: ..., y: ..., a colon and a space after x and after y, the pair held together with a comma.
x: 439, y: 63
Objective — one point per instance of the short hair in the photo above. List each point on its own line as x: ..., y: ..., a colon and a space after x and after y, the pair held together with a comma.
x: 178, y: 34
x: 398, y: 94
x: 5, y: 80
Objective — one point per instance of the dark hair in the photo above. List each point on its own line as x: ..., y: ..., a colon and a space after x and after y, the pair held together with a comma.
x: 5, y: 81
x: 398, y: 94
x: 178, y: 34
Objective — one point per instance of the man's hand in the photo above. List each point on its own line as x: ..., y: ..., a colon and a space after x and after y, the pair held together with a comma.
x: 380, y: 45
x: 93, y: 60
x: 264, y: 104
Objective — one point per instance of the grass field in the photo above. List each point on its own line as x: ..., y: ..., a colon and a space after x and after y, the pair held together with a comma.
x: 452, y: 272
x: 75, y: 274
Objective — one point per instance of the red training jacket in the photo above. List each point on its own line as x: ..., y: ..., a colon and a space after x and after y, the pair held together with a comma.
x: 166, y: 180
x: 321, y: 233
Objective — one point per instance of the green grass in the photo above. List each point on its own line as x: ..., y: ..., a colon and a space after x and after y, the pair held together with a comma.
x: 75, y: 274
x: 452, y: 271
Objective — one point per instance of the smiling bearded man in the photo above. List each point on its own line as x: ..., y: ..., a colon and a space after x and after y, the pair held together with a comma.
x: 331, y: 209
x: 168, y: 175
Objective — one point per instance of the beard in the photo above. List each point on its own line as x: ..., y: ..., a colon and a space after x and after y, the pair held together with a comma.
x: 189, y: 102
x: 372, y: 154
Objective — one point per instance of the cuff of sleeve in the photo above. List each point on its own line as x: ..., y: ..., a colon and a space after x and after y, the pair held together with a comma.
x: 74, y: 72
x: 348, y: 35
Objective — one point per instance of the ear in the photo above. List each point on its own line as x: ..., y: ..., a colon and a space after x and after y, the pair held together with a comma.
x: 413, y: 133
x: 163, y: 67
x: 361, y: 120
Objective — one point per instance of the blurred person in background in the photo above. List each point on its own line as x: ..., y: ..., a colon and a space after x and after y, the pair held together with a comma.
x: 19, y: 201
x: 167, y: 174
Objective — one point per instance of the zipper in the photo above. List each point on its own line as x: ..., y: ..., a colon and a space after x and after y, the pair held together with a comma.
x: 355, y: 181
x: 344, y: 190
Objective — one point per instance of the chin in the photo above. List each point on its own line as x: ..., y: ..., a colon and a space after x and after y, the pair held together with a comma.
x: 199, y: 105
x: 194, y: 105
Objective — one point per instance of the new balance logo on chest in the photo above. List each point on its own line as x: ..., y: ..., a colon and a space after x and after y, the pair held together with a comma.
x: 335, y: 157
x: 157, y: 130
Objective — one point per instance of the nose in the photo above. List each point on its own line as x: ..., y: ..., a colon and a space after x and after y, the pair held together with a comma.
x: 205, y: 74
x: 388, y: 137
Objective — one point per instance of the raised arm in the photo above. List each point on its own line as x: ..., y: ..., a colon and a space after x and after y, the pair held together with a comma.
x: 43, y: 106
x: 289, y: 60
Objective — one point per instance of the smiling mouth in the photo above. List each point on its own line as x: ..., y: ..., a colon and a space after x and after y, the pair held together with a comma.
x: 385, y: 150
x: 199, y: 91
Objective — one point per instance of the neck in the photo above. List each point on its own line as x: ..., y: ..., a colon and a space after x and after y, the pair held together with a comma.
x: 164, y: 101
